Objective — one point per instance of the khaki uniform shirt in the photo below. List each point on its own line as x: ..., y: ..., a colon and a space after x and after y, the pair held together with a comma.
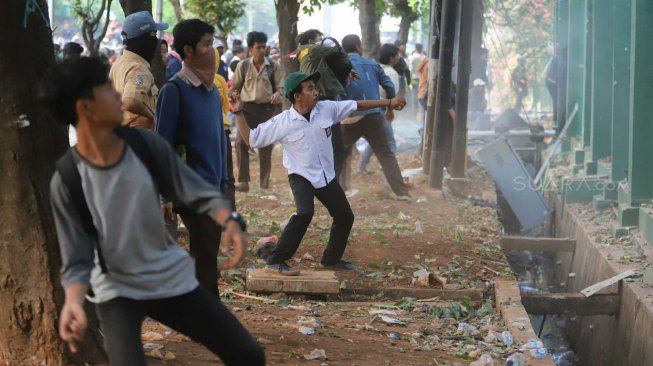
x: 256, y: 86
x: 131, y: 76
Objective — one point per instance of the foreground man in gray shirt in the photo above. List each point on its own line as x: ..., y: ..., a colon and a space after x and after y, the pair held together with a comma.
x: 132, y: 264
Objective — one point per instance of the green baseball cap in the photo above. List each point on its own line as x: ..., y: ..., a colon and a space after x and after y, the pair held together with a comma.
x: 295, y: 79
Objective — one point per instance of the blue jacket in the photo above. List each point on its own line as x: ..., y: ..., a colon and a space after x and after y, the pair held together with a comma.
x: 194, y: 119
x: 367, y: 88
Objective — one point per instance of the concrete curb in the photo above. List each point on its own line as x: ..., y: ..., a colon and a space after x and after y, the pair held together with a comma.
x: 508, y: 302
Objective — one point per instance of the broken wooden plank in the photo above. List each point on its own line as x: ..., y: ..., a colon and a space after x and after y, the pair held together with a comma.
x: 522, y: 243
x: 308, y: 282
x: 571, y: 304
x: 416, y: 293
x: 589, y: 291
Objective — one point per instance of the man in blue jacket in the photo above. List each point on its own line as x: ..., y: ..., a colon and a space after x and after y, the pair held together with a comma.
x: 189, y: 113
x: 370, y: 123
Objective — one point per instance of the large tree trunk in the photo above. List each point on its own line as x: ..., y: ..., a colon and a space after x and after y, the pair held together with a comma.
x: 408, y: 16
x: 287, y: 17
x: 179, y: 13
x: 133, y: 6
x: 369, y: 20
x: 404, y: 27
x: 30, y: 291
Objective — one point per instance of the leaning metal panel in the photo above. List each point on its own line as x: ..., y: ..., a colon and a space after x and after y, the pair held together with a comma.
x: 515, y: 183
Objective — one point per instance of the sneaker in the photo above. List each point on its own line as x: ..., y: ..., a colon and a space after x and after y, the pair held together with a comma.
x: 340, y: 265
x: 364, y: 171
x: 242, y: 187
x: 402, y: 197
x: 281, y: 269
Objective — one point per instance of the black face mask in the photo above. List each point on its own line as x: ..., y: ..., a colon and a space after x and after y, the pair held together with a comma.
x: 144, y: 46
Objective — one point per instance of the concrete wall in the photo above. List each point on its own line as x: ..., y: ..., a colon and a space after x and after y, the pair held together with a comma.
x: 626, y: 339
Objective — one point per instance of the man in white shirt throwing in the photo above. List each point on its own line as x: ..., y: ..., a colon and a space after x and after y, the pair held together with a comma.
x: 304, y: 131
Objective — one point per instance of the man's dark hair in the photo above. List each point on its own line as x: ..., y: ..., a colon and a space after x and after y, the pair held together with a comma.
x: 419, y: 47
x: 72, y: 48
x: 350, y: 42
x: 400, y: 42
x: 236, y: 42
x: 233, y: 65
x: 256, y: 37
x: 386, y: 52
x: 237, y: 49
x: 188, y: 33
x: 305, y: 37
x: 163, y: 41
x: 72, y: 80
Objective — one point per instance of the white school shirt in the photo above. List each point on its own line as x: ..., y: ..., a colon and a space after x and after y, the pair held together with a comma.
x: 307, y: 149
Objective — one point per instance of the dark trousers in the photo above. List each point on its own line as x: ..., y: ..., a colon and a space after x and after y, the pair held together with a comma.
x: 204, y: 243
x: 197, y: 314
x: 371, y: 127
x: 255, y: 114
x: 333, y: 198
x: 231, y: 183
x: 338, y: 149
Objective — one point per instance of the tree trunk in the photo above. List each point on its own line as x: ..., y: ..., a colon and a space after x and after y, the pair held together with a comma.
x: 287, y: 17
x: 133, y: 6
x: 179, y: 13
x: 369, y: 20
x: 404, y: 27
x: 30, y: 291
x: 479, y: 67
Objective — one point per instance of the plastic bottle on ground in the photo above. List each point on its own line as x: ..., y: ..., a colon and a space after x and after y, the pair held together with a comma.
x: 484, y: 360
x: 516, y: 359
x: 506, y: 338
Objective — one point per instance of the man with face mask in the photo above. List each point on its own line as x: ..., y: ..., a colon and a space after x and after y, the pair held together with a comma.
x: 131, y: 73
x: 189, y: 113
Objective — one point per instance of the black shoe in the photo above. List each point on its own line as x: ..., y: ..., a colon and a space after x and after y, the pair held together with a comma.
x: 282, y: 269
x: 340, y: 266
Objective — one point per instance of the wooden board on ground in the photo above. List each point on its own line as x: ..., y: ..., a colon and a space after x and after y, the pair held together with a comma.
x: 571, y: 304
x: 308, y: 282
x: 538, y: 244
x: 609, y: 282
x: 416, y: 293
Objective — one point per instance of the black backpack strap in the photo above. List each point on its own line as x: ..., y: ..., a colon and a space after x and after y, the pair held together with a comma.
x: 67, y: 168
x: 138, y: 143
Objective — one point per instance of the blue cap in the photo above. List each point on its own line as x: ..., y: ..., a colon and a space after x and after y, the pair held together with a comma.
x: 140, y: 23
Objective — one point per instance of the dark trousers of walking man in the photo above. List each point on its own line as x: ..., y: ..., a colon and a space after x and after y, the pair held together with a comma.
x: 334, y: 199
x: 371, y: 127
x: 255, y: 114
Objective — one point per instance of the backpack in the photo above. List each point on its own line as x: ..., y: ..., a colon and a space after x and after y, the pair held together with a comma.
x: 268, y: 68
x: 70, y: 177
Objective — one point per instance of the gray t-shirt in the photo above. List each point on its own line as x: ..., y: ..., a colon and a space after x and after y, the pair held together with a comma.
x: 142, y: 259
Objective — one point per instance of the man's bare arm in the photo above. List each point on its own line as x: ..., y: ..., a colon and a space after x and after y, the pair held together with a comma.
x: 396, y: 103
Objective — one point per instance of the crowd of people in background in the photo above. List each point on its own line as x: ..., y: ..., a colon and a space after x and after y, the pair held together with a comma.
x: 214, y: 95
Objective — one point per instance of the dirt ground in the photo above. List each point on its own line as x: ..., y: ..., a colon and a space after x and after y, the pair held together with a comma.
x: 390, y: 240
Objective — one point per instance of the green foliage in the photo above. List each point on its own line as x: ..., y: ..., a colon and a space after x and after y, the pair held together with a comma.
x: 309, y: 6
x: 224, y: 13
x: 519, y: 28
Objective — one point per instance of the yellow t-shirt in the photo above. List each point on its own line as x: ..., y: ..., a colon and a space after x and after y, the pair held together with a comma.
x: 221, y: 84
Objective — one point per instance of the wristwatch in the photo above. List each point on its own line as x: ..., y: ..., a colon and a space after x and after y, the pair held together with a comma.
x: 235, y: 216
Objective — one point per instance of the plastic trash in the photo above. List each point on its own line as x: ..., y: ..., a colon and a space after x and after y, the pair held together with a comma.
x: 540, y: 352
x: 306, y: 330
x: 462, y: 326
x: 152, y: 346
x: 491, y: 337
x: 316, y: 354
x: 567, y: 358
x: 484, y: 360
x: 516, y: 359
x: 389, y: 320
x: 382, y: 312
x: 506, y: 338
x: 394, y: 336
